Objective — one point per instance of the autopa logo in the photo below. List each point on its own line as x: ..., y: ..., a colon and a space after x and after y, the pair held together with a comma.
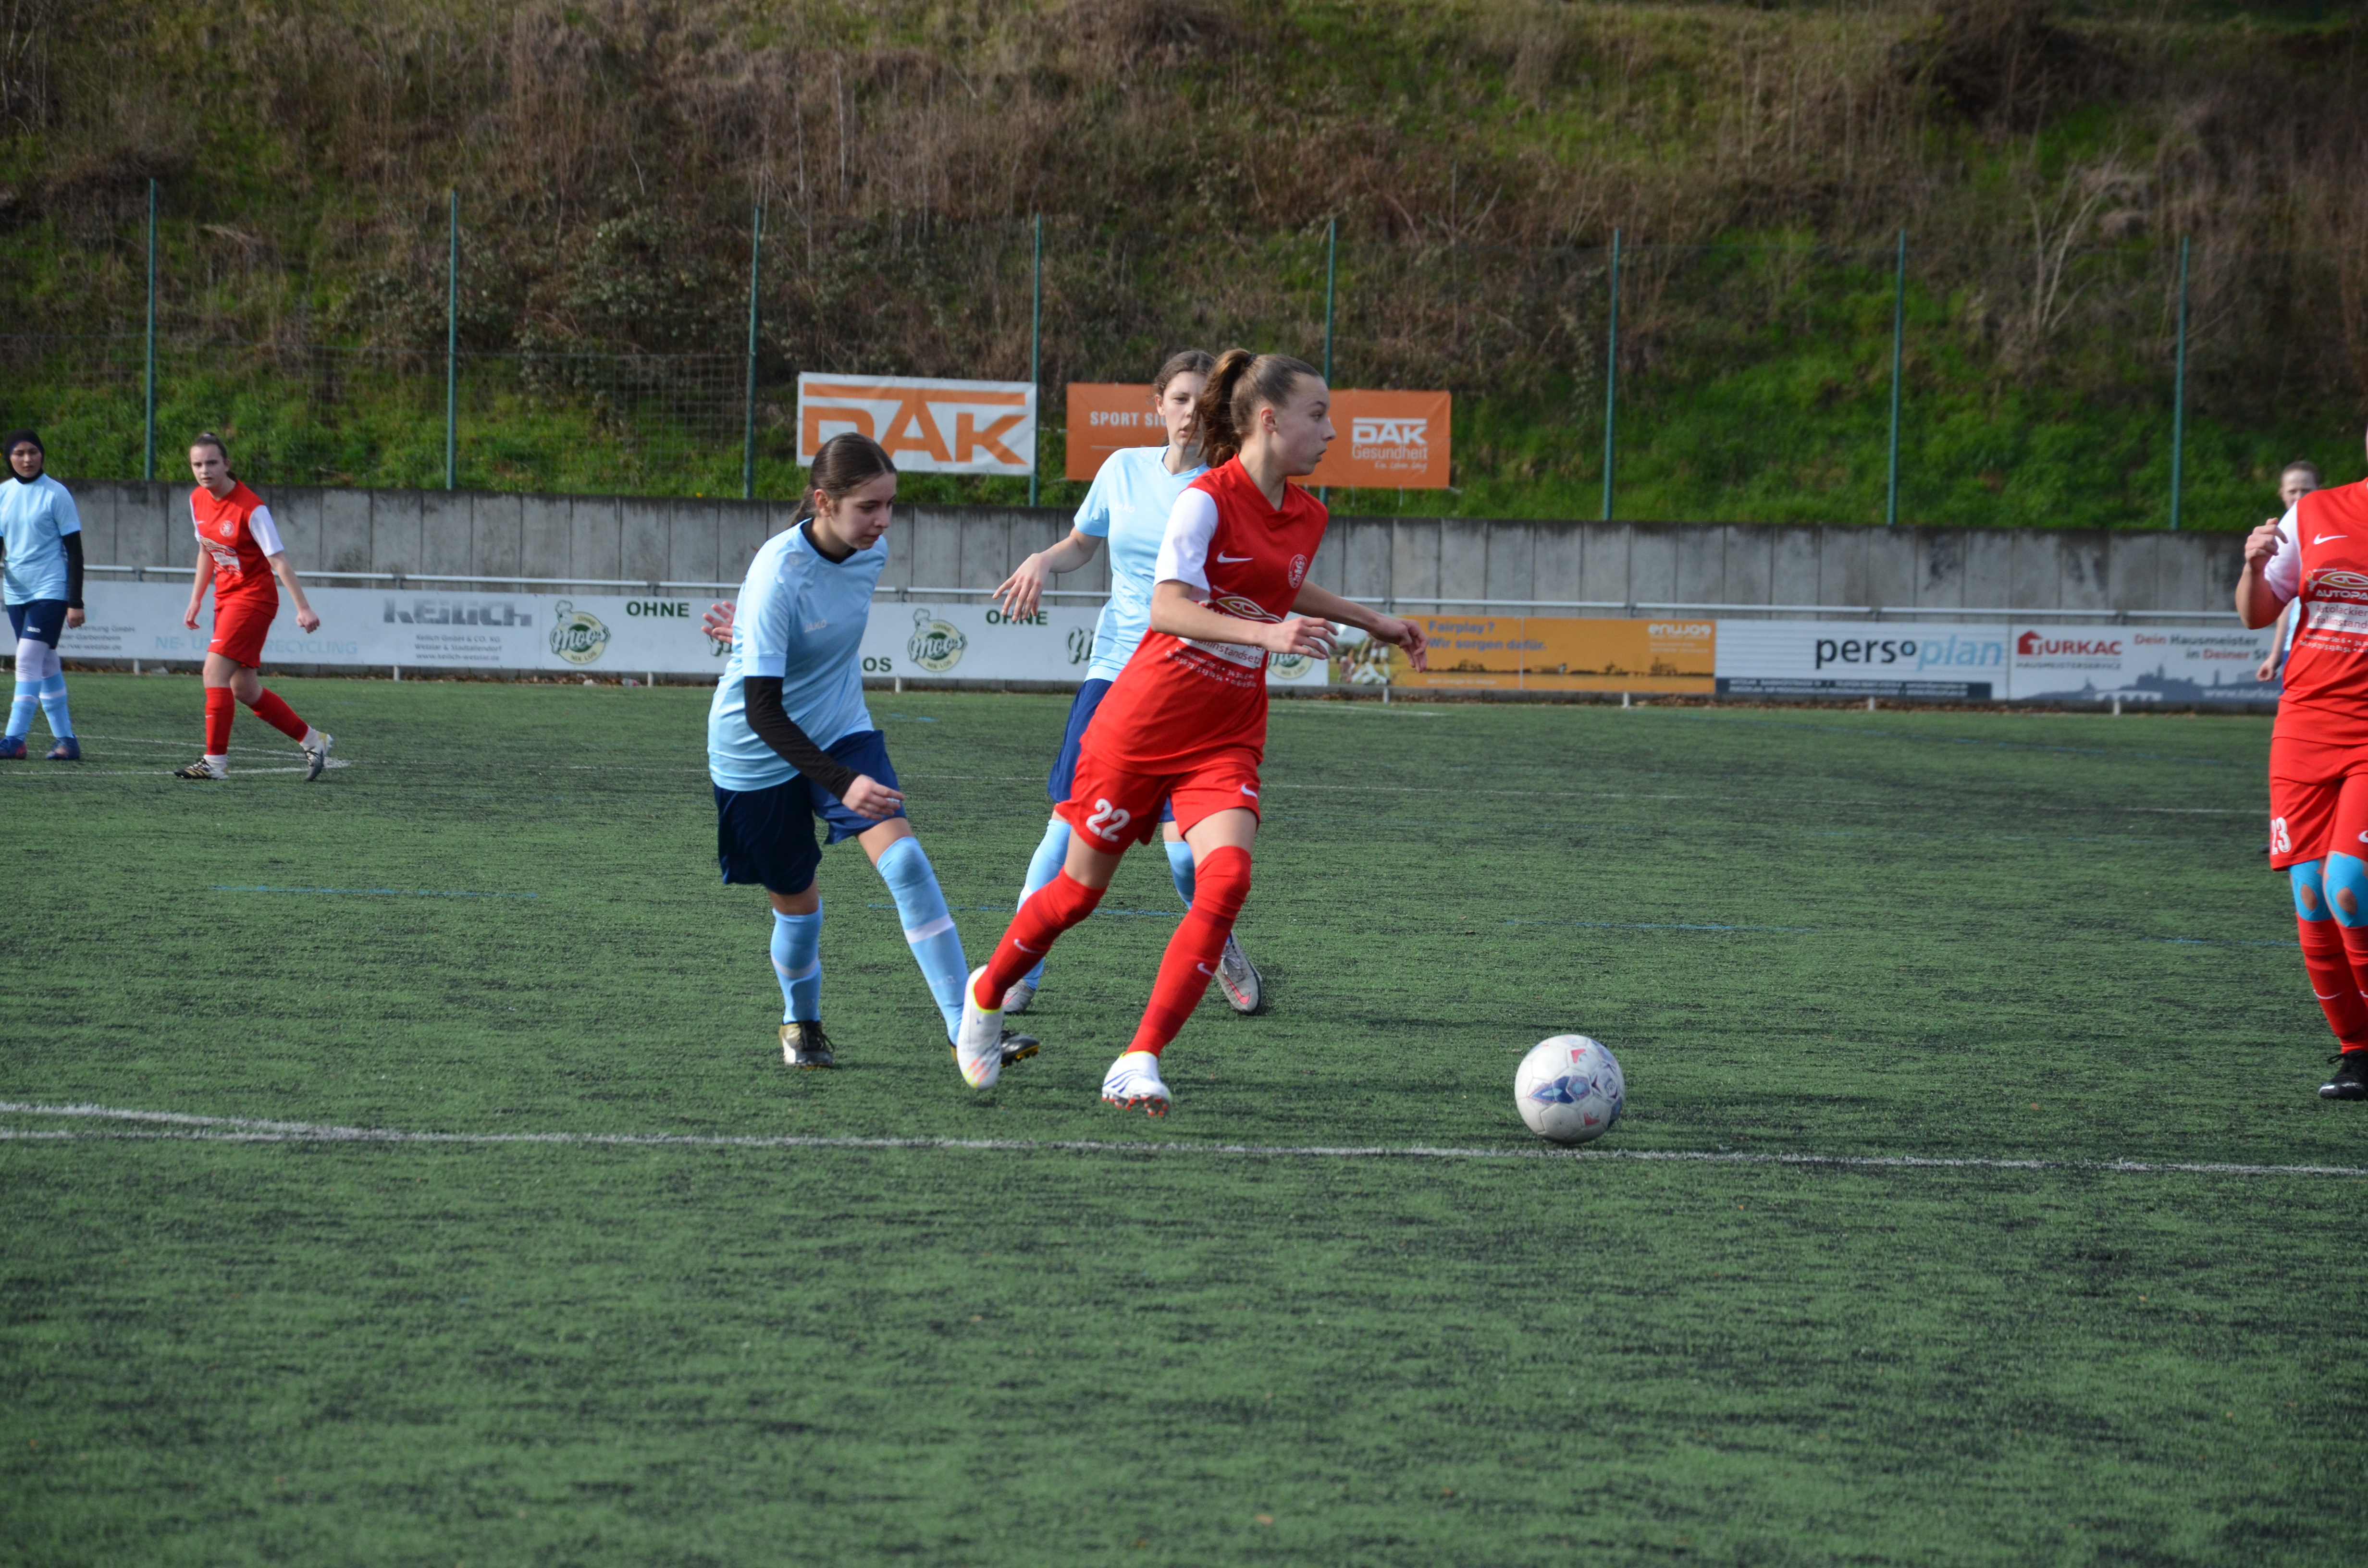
x: 2038, y: 645
x: 1371, y: 432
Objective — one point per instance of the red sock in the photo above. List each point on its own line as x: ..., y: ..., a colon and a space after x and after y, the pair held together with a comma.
x: 221, y: 708
x: 280, y: 716
x: 1050, y: 910
x: 2334, y: 978
x: 1219, y: 884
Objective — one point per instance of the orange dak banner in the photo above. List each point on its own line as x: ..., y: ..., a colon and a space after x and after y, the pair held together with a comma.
x: 1386, y: 439
x: 1481, y: 653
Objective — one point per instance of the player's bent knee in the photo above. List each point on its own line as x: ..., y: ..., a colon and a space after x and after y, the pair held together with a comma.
x: 2309, y: 890
x: 1222, y: 883
x: 2344, y: 883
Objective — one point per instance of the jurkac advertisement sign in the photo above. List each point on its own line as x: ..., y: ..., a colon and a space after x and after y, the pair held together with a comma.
x: 600, y: 634
x: 1385, y: 439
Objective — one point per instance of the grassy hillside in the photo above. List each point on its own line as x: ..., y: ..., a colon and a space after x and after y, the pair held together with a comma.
x: 1477, y: 156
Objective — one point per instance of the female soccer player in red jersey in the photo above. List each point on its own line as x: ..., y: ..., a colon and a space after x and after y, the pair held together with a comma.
x: 1185, y: 722
x: 2318, y: 751
x: 239, y: 551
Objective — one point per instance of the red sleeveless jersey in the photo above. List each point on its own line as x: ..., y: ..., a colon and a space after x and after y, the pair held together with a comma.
x: 2326, y: 698
x: 1180, y: 698
x: 237, y: 532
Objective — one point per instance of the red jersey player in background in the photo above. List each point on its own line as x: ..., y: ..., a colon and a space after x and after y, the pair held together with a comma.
x: 2318, y: 751
x: 1185, y: 720
x: 239, y: 551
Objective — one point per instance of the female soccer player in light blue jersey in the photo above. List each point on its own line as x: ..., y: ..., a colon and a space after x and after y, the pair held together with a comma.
x: 41, y: 562
x: 1128, y: 506
x: 789, y: 740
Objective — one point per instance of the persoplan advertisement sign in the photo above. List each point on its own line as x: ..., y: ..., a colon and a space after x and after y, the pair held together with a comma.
x: 1385, y: 439
x: 928, y: 427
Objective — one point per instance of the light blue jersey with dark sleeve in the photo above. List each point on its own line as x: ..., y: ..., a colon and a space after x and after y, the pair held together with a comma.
x: 34, y: 521
x: 800, y: 615
x: 1128, y: 506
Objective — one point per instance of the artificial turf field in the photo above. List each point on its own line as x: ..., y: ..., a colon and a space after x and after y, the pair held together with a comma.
x: 1903, y: 935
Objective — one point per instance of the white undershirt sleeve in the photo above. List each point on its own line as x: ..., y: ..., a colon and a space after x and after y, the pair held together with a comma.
x: 2283, y: 573
x: 267, y: 533
x: 1184, y: 551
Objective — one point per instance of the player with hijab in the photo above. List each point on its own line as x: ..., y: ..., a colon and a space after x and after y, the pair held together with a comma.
x: 239, y: 553
x: 41, y: 570
x: 789, y: 740
x: 1185, y: 722
x: 1128, y: 506
x: 2317, y: 554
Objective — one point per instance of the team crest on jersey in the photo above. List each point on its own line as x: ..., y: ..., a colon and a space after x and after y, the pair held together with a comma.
x: 577, y: 636
x: 1298, y: 569
x: 935, y: 646
x: 230, y: 529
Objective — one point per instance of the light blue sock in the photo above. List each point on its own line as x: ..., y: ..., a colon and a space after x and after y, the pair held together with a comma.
x: 53, y: 705
x: 1043, y: 866
x: 1180, y: 866
x: 20, y: 712
x: 797, y: 964
x: 928, y: 927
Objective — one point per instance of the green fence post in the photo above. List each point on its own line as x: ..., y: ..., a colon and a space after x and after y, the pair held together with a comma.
x: 1036, y: 356
x: 1898, y: 334
x: 2179, y: 393
x: 452, y: 353
x: 748, y: 426
x: 1612, y: 381
x: 148, y: 468
x: 1331, y: 271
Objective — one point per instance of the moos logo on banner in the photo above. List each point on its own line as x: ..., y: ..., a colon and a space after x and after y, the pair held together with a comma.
x: 928, y: 427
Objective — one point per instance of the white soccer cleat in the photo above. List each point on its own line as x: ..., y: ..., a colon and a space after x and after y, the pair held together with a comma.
x: 1134, y: 1083
x: 1239, y: 978
x: 978, y: 1043
x: 317, y: 753
x: 1016, y: 1000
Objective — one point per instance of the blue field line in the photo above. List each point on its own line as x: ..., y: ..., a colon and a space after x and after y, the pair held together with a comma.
x: 1013, y: 908
x: 376, y: 892
x: 1657, y: 926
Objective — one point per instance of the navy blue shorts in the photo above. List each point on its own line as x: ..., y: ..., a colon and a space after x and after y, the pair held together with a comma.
x: 1064, y: 767
x: 44, y: 621
x: 766, y: 837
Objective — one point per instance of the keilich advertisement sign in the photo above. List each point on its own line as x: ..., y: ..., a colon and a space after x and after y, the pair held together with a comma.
x: 928, y: 427
x: 1384, y: 439
x: 1540, y: 653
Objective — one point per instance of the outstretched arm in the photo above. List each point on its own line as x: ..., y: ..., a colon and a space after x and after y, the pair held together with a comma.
x: 1174, y: 611
x: 287, y: 575
x: 1021, y: 590
x: 1388, y: 627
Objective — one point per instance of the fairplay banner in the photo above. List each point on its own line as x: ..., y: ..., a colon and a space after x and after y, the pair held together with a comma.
x: 928, y: 427
x: 1387, y: 439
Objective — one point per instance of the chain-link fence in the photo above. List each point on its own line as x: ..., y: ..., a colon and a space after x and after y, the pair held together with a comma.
x: 1746, y: 382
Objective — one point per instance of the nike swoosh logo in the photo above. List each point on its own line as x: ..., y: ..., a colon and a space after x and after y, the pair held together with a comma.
x: 1237, y: 560
x: 1253, y: 795
x: 2320, y: 539
x: 1204, y: 969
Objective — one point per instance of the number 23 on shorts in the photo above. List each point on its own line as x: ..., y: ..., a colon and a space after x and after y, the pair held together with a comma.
x: 1109, y: 822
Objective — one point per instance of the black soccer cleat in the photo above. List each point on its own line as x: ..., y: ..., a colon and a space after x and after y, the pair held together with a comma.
x: 2351, y: 1080
x: 804, y: 1045
x: 1016, y: 1047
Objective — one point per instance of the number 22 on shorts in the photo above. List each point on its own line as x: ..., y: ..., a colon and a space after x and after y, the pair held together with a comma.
x: 1108, y: 821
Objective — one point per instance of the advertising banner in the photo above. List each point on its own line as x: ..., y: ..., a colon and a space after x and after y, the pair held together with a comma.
x: 1478, y: 653
x: 1385, y: 439
x: 2139, y: 664
x: 592, y: 634
x: 928, y: 427
x: 2020, y: 662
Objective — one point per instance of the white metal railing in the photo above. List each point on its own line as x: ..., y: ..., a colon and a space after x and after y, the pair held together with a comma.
x: 1875, y: 612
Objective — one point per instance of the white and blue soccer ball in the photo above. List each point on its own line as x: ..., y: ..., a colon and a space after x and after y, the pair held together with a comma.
x: 1569, y: 1089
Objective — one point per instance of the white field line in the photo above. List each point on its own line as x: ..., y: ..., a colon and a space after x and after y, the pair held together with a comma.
x: 164, y: 1124
x: 76, y: 771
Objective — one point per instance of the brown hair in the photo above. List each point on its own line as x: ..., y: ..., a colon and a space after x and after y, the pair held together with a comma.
x: 2302, y: 465
x: 1238, y: 386
x: 1183, y: 363
x: 208, y: 438
x: 846, y: 461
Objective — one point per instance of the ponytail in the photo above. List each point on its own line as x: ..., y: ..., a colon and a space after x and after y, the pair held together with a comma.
x: 1241, y: 384
x: 846, y: 461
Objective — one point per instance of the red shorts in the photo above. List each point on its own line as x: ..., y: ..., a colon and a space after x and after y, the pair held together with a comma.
x: 2318, y: 801
x: 241, y: 623
x: 1115, y: 808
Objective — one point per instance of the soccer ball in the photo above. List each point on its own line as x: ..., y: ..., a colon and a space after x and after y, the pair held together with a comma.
x: 1569, y: 1089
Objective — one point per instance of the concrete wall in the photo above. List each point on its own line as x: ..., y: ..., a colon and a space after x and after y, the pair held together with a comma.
x: 1407, y: 560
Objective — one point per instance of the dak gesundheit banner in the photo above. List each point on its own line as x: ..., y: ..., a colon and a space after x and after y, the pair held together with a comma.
x: 1385, y: 438
x: 926, y: 426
